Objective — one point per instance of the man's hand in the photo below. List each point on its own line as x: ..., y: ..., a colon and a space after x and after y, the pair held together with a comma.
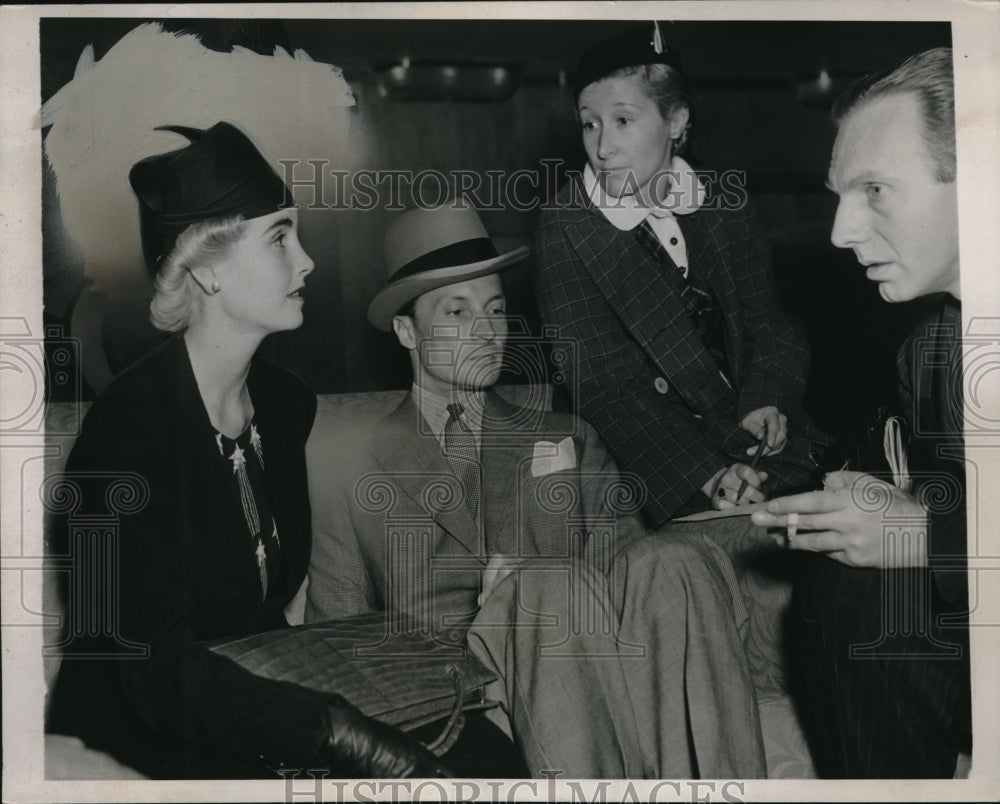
x: 725, y: 484
x: 838, y: 522
x: 772, y: 420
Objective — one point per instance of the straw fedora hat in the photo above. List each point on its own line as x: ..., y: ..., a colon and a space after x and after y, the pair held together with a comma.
x: 430, y: 248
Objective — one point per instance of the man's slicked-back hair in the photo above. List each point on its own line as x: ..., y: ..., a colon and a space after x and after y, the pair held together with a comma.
x: 929, y: 76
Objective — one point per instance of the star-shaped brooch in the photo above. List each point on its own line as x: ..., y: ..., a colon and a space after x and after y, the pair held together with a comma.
x: 255, y: 442
x: 237, y: 458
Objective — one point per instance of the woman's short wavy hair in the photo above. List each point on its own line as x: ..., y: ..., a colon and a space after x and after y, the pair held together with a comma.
x: 198, y: 246
x: 667, y: 87
x: 929, y: 76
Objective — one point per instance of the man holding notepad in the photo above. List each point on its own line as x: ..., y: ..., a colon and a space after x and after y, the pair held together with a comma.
x: 880, y: 617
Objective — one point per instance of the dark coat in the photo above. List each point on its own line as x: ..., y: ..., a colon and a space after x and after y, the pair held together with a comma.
x: 184, y: 572
x: 641, y: 374
x: 883, y: 656
x: 930, y: 394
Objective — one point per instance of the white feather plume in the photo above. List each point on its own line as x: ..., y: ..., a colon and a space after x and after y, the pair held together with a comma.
x: 85, y: 62
x: 104, y: 121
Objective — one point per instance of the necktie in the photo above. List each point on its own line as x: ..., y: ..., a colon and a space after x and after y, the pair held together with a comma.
x: 699, y: 302
x: 460, y: 450
x: 690, y: 296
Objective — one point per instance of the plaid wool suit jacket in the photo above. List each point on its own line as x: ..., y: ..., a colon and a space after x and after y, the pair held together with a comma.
x: 642, y: 375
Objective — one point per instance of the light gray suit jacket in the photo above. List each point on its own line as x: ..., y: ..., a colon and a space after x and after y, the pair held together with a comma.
x: 395, y: 534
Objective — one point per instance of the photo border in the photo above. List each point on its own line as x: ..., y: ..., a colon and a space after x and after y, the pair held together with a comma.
x: 976, y: 42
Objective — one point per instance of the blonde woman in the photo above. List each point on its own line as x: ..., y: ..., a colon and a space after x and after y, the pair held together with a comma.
x: 214, y: 438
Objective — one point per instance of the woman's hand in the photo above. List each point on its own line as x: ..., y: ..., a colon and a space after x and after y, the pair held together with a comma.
x: 354, y: 745
x: 724, y: 487
x: 768, y: 421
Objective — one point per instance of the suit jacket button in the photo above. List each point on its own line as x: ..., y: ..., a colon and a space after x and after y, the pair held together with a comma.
x: 660, y: 385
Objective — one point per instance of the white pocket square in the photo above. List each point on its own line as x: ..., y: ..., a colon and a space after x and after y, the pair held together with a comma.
x: 549, y: 457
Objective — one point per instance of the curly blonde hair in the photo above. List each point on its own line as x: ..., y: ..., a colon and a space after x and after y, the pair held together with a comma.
x: 199, y: 245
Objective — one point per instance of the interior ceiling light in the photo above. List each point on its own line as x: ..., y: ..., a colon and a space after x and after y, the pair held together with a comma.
x: 461, y: 81
x: 819, y: 90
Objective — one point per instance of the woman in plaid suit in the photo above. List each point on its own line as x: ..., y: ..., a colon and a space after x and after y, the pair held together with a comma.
x: 684, y: 360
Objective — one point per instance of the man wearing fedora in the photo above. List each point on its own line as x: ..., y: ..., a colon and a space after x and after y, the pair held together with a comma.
x: 618, y: 653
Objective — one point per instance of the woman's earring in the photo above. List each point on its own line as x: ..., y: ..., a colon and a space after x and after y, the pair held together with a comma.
x: 215, y: 287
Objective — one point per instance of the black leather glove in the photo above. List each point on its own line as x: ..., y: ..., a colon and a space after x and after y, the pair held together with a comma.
x: 354, y: 745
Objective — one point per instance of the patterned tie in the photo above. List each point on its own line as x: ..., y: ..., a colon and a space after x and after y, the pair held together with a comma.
x: 698, y: 300
x: 460, y: 450
x: 690, y: 296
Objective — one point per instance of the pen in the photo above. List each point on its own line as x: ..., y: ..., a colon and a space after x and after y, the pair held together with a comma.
x: 761, y: 447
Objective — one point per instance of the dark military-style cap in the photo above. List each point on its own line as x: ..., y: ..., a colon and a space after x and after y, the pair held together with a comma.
x: 638, y: 46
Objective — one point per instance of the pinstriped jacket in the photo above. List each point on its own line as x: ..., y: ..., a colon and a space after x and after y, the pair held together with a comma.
x: 929, y: 366
x: 642, y: 375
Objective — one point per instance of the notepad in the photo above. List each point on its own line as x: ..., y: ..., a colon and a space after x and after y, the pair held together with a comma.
x: 894, y: 443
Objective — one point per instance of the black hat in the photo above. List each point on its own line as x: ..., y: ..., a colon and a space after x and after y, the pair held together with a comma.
x: 642, y: 45
x: 220, y: 174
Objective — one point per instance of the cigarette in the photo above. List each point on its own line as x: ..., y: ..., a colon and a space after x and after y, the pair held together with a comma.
x: 792, y: 525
